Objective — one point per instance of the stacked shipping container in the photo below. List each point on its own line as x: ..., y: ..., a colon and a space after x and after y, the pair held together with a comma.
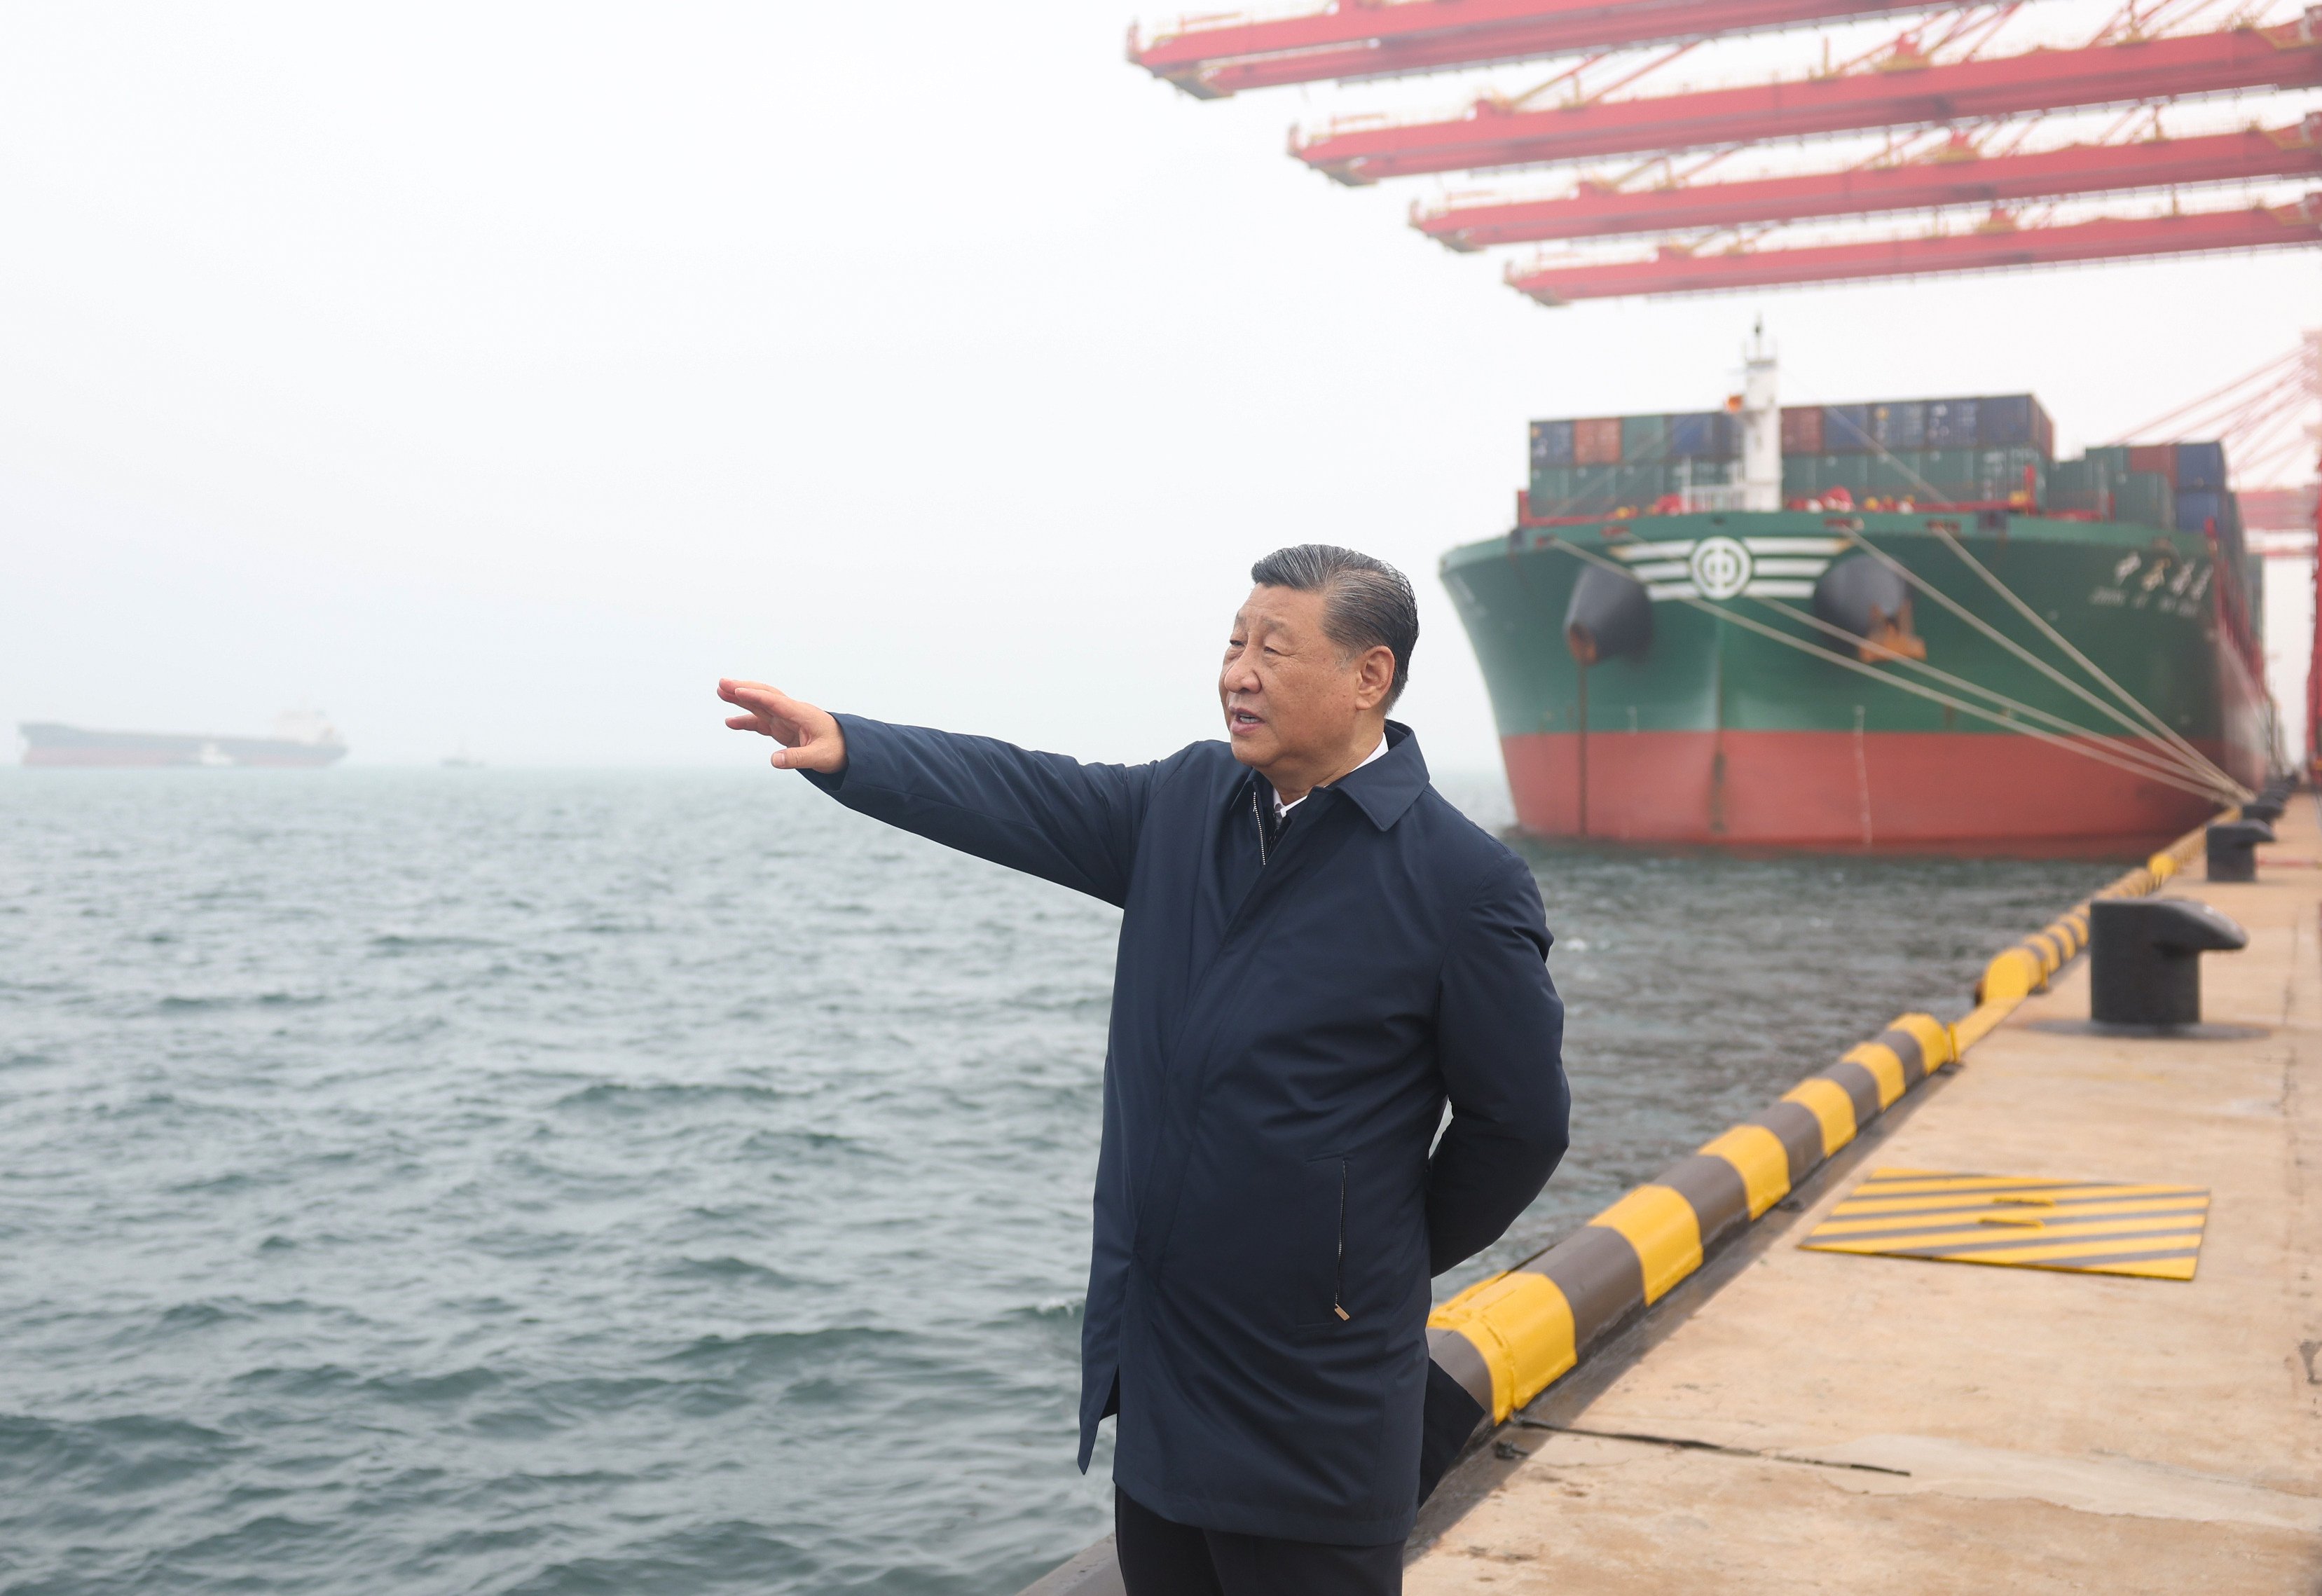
x: 1987, y: 451
x: 1602, y: 465
x: 2005, y: 421
x: 2179, y: 485
x: 2017, y: 476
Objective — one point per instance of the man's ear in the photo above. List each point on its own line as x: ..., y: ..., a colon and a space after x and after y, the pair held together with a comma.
x: 1374, y: 676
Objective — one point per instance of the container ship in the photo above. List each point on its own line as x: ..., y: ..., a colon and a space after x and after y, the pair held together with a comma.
x: 1901, y: 626
x: 301, y: 739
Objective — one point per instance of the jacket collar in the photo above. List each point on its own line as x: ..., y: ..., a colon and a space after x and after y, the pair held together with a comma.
x: 1391, y: 783
x: 1385, y: 787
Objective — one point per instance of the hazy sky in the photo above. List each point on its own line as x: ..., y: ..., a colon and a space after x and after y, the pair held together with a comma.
x: 499, y: 375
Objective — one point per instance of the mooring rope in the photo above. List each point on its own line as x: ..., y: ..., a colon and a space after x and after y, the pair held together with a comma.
x: 2112, y: 757
x: 2016, y: 705
x: 1950, y: 541
x: 2191, y: 759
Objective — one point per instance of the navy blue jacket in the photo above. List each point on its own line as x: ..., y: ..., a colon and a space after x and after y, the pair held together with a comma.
x: 1288, y: 1021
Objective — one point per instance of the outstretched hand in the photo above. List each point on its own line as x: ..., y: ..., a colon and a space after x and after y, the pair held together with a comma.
x: 811, y: 739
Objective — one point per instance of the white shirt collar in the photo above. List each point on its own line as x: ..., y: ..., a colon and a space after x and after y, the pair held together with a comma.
x: 1281, y: 809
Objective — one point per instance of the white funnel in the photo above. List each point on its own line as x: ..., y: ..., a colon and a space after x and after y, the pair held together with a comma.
x: 1761, y: 427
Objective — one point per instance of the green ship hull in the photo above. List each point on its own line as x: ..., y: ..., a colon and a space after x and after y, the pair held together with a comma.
x: 1713, y: 732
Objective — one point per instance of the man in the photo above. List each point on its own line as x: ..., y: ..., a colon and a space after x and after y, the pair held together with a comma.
x: 1317, y: 952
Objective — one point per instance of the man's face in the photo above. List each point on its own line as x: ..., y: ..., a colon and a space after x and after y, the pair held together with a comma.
x: 1288, y: 692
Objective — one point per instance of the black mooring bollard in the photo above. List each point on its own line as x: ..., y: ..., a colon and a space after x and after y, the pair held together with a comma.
x: 2145, y: 958
x: 2232, y: 849
x: 2265, y: 806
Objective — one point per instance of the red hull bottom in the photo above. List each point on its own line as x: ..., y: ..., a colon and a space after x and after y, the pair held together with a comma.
x: 1838, y: 790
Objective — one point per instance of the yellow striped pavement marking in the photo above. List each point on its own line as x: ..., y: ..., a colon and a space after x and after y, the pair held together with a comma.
x: 1988, y: 1232
x: 2066, y: 1254
x: 2025, y: 1221
x: 1921, y: 1191
x: 2063, y: 1197
x: 1879, y: 1224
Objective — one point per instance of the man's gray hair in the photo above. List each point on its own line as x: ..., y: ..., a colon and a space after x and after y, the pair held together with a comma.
x: 1366, y: 603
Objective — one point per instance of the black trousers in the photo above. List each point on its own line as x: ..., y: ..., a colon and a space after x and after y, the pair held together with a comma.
x: 1161, y: 1557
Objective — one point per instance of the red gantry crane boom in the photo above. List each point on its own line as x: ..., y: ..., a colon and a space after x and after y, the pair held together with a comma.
x: 1213, y: 57
x: 1675, y: 271
x: 1951, y: 177
x: 2286, y: 57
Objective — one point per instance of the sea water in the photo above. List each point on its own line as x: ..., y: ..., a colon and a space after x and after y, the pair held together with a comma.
x: 481, y: 1180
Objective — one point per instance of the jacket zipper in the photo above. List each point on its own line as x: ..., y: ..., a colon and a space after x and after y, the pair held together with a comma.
x: 1256, y: 904
x: 1338, y: 1271
x: 1338, y: 1281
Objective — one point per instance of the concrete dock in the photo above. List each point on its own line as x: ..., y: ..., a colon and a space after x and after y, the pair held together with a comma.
x: 1802, y: 1421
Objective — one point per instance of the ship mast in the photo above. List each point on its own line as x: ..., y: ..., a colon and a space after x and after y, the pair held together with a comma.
x: 1761, y: 427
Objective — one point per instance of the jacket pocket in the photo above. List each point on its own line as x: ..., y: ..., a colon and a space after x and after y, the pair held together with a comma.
x: 1318, y: 1242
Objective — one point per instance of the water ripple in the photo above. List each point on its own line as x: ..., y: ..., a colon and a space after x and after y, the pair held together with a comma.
x: 548, y: 1184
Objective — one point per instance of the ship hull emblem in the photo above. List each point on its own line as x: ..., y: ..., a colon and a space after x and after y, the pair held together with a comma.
x: 1719, y: 568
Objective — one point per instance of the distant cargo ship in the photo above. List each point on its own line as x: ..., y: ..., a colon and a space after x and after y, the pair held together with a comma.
x: 1883, y: 626
x: 301, y: 739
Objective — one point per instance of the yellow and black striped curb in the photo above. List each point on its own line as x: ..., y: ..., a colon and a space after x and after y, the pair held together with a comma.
x: 1508, y: 1338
